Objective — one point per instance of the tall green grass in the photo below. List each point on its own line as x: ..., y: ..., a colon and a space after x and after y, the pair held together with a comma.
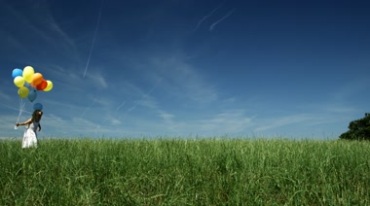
x: 185, y: 172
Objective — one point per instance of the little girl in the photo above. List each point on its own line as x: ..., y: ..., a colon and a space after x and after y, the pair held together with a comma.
x: 30, y: 135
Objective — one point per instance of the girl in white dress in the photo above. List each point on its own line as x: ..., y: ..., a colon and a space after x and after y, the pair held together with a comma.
x: 33, y: 125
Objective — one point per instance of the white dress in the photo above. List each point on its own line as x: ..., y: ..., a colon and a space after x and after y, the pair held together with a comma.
x: 30, y: 135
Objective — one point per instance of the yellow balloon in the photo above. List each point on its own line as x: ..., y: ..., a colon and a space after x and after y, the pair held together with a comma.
x: 19, y: 81
x: 49, y: 86
x: 27, y: 74
x: 23, y: 92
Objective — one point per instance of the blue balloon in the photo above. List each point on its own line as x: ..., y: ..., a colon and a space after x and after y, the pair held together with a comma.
x: 37, y: 106
x: 32, y: 95
x: 17, y: 72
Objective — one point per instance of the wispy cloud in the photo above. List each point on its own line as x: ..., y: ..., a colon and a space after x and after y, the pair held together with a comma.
x: 27, y: 22
x: 281, y: 121
x: 212, y: 27
x: 182, y: 80
x: 98, y: 80
x: 39, y: 24
x: 7, y: 123
x: 352, y: 87
x: 73, y: 82
x: 227, y: 122
x: 168, y: 118
x: 5, y: 96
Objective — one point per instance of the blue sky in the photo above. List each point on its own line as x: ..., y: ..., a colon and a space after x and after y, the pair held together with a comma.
x: 292, y: 69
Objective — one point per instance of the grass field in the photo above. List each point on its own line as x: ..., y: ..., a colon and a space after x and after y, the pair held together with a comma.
x: 186, y: 172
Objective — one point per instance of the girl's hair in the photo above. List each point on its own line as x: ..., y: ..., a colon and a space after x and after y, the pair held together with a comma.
x: 34, y: 115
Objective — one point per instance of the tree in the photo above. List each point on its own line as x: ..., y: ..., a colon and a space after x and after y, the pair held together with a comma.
x: 358, y: 129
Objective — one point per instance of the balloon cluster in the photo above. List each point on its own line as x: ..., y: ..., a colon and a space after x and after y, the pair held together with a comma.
x: 28, y: 83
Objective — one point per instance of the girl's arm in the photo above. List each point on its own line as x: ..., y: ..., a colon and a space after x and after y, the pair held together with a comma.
x: 39, y: 127
x: 29, y: 121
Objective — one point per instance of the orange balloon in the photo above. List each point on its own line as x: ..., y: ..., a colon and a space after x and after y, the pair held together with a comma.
x: 37, y: 78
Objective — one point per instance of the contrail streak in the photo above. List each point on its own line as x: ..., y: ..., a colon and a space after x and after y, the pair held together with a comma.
x: 94, y: 39
x: 87, y: 108
x: 211, y: 28
x: 206, y: 17
x: 143, y: 95
x: 121, y: 105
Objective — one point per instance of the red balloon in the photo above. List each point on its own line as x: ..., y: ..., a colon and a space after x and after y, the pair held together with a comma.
x: 42, y: 85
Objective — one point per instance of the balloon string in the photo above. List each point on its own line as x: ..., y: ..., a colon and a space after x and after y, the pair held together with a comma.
x: 21, y: 108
